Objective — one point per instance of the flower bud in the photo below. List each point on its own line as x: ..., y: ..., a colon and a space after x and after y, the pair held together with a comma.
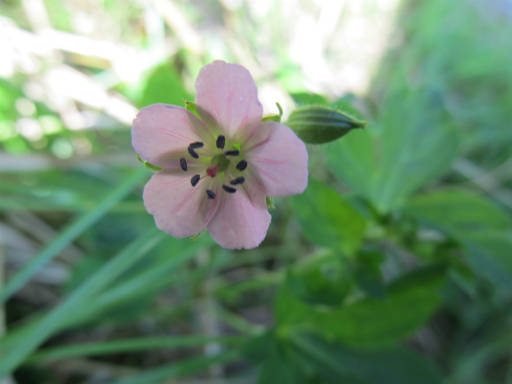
x: 316, y: 124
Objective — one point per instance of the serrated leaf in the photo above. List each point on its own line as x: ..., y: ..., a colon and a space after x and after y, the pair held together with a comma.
x: 458, y: 211
x: 327, y: 219
x: 404, y: 150
x: 338, y: 364
x: 368, y: 322
x: 482, y: 227
x: 322, y: 280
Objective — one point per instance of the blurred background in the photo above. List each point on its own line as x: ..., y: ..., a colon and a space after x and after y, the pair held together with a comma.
x: 395, y: 266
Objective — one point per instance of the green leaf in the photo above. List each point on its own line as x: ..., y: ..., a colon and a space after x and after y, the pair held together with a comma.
x: 163, y: 84
x: 458, y: 212
x: 39, y: 331
x: 353, y: 160
x: 278, y: 367
x: 317, y: 124
x: 305, y: 98
x: 368, y: 322
x: 339, y: 364
x: 9, y: 93
x: 367, y: 273
x: 489, y: 256
x: 327, y: 219
x: 481, y: 226
x: 321, y: 280
x: 393, y: 158
x: 71, y: 233
x: 345, y: 104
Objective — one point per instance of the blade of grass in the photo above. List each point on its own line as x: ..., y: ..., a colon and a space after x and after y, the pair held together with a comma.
x: 13, y: 204
x: 233, y: 291
x: 7, y: 380
x: 180, y: 368
x: 123, y: 291
x: 71, y: 233
x: 129, y: 345
x: 154, y: 276
x: 49, y: 323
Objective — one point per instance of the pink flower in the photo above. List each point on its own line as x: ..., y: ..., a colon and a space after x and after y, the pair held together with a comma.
x: 219, y: 168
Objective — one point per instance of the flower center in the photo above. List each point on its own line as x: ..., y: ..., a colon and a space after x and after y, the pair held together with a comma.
x: 212, y: 171
x: 228, y: 163
x: 221, y: 162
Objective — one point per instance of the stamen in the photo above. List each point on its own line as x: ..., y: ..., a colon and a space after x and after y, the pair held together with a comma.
x: 194, y: 180
x: 234, y: 152
x: 238, y: 180
x: 192, y: 152
x: 242, y: 164
x: 210, y: 194
x: 196, y: 144
x: 228, y: 189
x: 221, y: 141
x: 183, y: 164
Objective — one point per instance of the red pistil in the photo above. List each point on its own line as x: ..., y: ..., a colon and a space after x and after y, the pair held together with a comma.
x: 212, y: 171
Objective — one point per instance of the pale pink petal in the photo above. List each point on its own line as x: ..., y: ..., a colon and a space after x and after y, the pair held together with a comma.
x: 228, y: 93
x: 161, y: 133
x: 240, y: 223
x: 279, y: 158
x: 253, y: 187
x: 177, y: 207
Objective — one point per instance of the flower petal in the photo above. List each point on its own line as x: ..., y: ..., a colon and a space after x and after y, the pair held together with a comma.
x: 239, y: 222
x: 280, y: 159
x: 177, y: 207
x: 228, y: 93
x: 161, y: 133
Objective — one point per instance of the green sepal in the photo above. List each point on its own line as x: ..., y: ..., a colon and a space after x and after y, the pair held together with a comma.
x: 276, y: 118
x: 272, y: 118
x: 191, y: 107
x: 151, y: 167
x: 195, y: 237
x: 270, y: 203
x: 316, y: 124
x: 280, y: 109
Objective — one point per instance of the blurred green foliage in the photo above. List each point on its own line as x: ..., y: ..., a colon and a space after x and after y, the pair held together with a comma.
x: 394, y: 266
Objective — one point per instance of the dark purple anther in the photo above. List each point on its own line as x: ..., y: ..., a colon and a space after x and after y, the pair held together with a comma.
x: 221, y: 141
x: 194, y: 180
x: 192, y: 152
x: 228, y: 189
x: 183, y: 164
x: 238, y: 180
x: 196, y: 145
x: 210, y: 194
x: 242, y: 164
